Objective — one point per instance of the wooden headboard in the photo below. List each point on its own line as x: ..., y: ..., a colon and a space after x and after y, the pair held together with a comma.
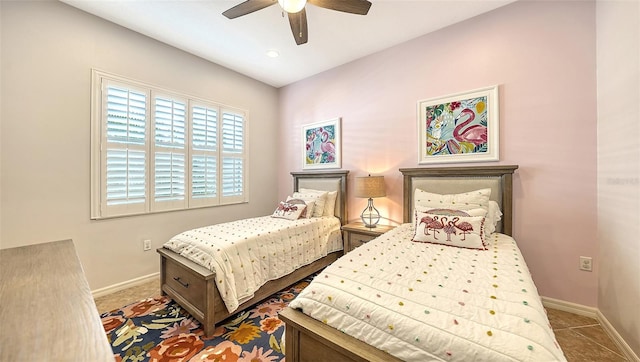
x: 329, y: 181
x: 453, y: 180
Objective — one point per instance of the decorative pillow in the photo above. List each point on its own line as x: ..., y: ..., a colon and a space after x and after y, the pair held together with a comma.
x: 330, y: 202
x: 318, y: 197
x: 464, y: 201
x: 488, y: 229
x: 493, y: 216
x: 330, y: 205
x: 306, y: 214
x: 289, y: 211
x: 461, y: 231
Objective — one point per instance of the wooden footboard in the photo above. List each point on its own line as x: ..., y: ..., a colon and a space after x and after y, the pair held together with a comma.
x: 307, y: 339
x: 193, y: 287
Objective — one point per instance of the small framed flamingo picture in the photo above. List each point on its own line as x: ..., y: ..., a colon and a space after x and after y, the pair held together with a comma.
x: 322, y: 145
x: 462, y: 127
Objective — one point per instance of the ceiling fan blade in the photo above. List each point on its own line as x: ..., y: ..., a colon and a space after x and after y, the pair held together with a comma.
x: 360, y: 7
x: 298, y: 22
x: 248, y: 7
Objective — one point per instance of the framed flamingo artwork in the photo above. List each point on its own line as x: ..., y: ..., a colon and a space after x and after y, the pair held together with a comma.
x: 462, y: 127
x: 322, y: 145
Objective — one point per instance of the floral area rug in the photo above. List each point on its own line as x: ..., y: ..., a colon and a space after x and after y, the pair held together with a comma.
x: 158, y: 329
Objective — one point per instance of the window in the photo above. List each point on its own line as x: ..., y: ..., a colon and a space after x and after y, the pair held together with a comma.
x: 155, y: 150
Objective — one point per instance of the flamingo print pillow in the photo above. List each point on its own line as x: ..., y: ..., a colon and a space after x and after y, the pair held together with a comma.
x: 289, y: 211
x: 453, y: 229
x: 308, y: 210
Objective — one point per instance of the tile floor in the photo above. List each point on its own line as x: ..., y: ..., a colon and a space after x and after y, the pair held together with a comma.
x: 582, y: 338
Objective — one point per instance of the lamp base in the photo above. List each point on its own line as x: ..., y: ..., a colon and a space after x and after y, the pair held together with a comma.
x: 370, y: 215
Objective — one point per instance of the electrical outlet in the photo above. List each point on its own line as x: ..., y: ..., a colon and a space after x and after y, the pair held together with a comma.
x: 146, y: 245
x: 585, y: 263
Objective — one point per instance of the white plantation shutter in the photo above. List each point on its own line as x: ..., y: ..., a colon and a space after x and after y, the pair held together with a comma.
x: 233, y: 155
x: 204, y: 179
x: 169, y: 154
x: 125, y: 177
x: 232, y: 181
x: 232, y: 133
x: 154, y: 150
x: 124, y: 148
x: 169, y: 176
x: 204, y: 155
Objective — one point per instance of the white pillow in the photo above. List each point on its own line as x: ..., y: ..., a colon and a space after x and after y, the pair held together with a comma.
x: 330, y: 204
x: 306, y: 214
x: 461, y: 231
x: 464, y: 201
x: 289, y: 211
x: 319, y: 198
x: 493, y: 216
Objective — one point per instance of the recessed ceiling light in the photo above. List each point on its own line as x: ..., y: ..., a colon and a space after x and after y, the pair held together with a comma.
x: 272, y: 53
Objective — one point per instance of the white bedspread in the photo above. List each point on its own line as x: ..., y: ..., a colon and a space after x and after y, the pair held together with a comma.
x: 426, y: 302
x: 247, y: 253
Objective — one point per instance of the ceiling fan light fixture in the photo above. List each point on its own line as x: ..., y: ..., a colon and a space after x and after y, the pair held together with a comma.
x: 292, y: 6
x: 296, y: 12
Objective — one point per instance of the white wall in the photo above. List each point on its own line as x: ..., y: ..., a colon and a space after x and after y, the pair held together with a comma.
x: 542, y: 55
x: 618, y: 60
x: 48, y: 50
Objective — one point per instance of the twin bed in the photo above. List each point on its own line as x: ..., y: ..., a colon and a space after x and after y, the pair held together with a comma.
x: 392, y: 299
x: 189, y: 261
x: 419, y: 301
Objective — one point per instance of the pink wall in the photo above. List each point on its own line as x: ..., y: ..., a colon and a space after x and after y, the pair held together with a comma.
x: 542, y: 56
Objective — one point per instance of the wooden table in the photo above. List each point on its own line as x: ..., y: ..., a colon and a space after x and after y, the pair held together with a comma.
x: 356, y: 234
x: 47, y: 312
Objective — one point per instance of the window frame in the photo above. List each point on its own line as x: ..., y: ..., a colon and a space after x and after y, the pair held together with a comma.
x: 100, y: 80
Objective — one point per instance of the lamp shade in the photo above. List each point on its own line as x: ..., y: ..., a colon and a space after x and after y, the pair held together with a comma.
x: 369, y: 187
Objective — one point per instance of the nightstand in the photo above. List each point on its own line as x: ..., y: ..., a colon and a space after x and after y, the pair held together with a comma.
x: 356, y: 234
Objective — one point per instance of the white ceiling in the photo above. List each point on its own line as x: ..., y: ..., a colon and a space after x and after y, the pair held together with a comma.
x: 335, y: 38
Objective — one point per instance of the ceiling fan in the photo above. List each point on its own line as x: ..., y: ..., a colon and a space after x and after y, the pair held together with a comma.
x: 295, y: 10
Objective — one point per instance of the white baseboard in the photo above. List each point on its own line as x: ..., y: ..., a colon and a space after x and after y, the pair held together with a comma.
x: 617, y: 339
x: 574, y: 308
x: 124, y: 285
x: 593, y: 313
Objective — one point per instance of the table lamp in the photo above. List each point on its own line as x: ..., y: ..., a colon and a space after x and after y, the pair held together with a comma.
x: 370, y: 187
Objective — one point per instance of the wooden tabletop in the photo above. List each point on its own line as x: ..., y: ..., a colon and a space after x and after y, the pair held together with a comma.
x: 359, y: 227
x: 47, y: 312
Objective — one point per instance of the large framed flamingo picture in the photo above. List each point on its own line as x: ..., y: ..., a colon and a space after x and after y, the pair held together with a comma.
x: 462, y: 127
x: 322, y: 145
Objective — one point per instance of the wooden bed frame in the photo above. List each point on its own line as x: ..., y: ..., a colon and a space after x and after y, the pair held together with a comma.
x: 193, y: 286
x: 308, y: 339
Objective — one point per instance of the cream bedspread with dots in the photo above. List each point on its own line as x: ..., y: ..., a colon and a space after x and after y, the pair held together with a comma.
x: 428, y: 302
x: 245, y: 254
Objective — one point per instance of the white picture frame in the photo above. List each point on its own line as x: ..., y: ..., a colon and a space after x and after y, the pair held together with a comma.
x: 322, y: 143
x: 461, y: 127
